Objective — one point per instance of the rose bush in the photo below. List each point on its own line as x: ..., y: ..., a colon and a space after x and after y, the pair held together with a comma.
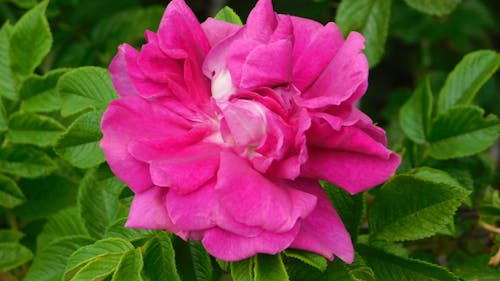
x: 222, y: 131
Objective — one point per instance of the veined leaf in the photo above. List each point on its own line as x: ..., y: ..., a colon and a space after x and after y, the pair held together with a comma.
x: 10, y: 194
x: 228, y: 15
x: 25, y: 161
x: 3, y: 117
x: 13, y: 254
x: 130, y: 267
x: 243, y: 270
x: 39, y: 94
x: 10, y: 235
x: 270, y: 268
x: 415, y: 114
x: 30, y: 128
x: 65, y: 223
x: 462, y: 131
x: 201, y: 262
x: 309, y: 258
x: 371, y: 18
x: 159, y: 259
x: 470, y: 74
x: 118, y: 230
x: 434, y: 7
x: 7, y: 80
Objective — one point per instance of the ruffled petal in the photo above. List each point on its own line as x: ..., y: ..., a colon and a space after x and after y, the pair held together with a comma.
x: 217, y: 30
x: 148, y: 210
x: 123, y: 68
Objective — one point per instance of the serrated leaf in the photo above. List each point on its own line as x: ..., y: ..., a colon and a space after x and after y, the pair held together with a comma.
x: 462, y: 131
x: 98, y: 259
x: 409, y: 207
x: 130, y: 267
x: 118, y: 229
x: 98, y: 200
x: 434, y: 7
x: 10, y: 194
x: 415, y: 114
x: 228, y: 15
x: 159, y: 259
x: 13, y: 255
x: 10, y: 235
x: 242, y: 270
x: 7, y: 80
x: 31, y: 40
x: 202, y: 264
x: 371, y: 18
x: 50, y: 262
x: 25, y: 161
x: 84, y: 88
x: 470, y: 74
x: 66, y: 222
x: 39, y: 94
x: 30, y: 128
x: 79, y: 145
x: 270, y: 268
x: 392, y: 268
x: 309, y: 258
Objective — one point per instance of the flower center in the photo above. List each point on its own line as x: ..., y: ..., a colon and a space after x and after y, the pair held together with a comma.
x: 222, y: 86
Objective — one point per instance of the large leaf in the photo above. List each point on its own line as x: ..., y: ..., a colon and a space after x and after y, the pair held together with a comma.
x: 393, y: 268
x: 25, y: 161
x: 50, y: 262
x: 434, y: 7
x: 415, y: 114
x: 30, y: 128
x: 462, y: 131
x: 13, y: 255
x: 84, y: 88
x: 228, y: 15
x: 415, y: 206
x: 159, y: 259
x: 30, y: 40
x: 7, y: 81
x: 79, y: 145
x: 467, y: 78
x: 312, y: 259
x: 371, y: 18
x: 270, y: 268
x: 130, y: 267
x: 10, y: 194
x: 66, y: 222
x: 39, y: 93
x: 98, y: 200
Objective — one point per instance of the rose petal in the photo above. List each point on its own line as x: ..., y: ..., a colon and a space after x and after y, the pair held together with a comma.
x: 217, y: 30
x: 124, y: 63
x: 148, y: 210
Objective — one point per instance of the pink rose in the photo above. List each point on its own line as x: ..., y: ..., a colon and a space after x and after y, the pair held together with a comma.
x: 222, y: 131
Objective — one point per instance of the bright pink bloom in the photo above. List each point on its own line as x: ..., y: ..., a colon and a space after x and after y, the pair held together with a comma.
x: 222, y: 131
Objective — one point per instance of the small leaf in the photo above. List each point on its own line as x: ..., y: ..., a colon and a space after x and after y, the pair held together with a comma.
x: 130, y: 267
x: 13, y: 255
x: 25, y: 161
x: 470, y: 74
x: 309, y: 258
x: 10, y: 235
x: 65, y: 223
x: 7, y: 81
x: 79, y: 145
x: 201, y: 262
x: 242, y: 270
x: 393, y: 268
x: 10, y: 194
x: 50, y: 262
x: 39, y: 93
x: 31, y: 40
x: 270, y: 268
x: 118, y: 230
x: 410, y: 207
x: 415, y: 114
x: 371, y: 18
x: 30, y: 128
x: 434, y: 7
x: 84, y: 88
x: 159, y: 259
x: 228, y: 15
x: 462, y: 131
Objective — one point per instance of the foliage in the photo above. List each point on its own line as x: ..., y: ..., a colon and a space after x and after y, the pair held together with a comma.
x: 434, y: 87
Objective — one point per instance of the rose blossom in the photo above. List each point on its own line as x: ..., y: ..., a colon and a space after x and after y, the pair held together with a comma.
x: 222, y: 131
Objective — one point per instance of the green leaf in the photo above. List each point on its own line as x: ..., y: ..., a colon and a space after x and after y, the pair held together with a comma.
x: 118, y: 229
x: 470, y: 74
x: 98, y: 200
x: 309, y: 258
x: 242, y: 270
x: 3, y: 117
x: 84, y: 88
x: 50, y: 262
x: 10, y: 235
x: 393, y: 268
x: 202, y: 264
x: 10, y: 194
x: 371, y: 18
x: 159, y: 259
x: 13, y: 255
x: 39, y: 93
x: 98, y: 259
x: 415, y: 206
x: 228, y: 15
x: 26, y: 4
x: 30, y: 128
x: 25, y: 161
x: 415, y: 115
x: 434, y: 7
x: 7, y: 80
x: 66, y: 222
x: 30, y: 40
x: 462, y: 131
x: 130, y: 267
x: 79, y: 145
x: 269, y: 268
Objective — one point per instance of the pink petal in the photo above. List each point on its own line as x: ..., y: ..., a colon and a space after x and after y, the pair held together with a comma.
x: 261, y: 21
x: 254, y: 200
x: 323, y: 231
x: 121, y: 67
x: 148, y: 210
x: 217, y: 30
x: 231, y: 247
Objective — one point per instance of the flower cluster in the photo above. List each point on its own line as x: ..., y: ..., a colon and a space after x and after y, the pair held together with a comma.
x: 222, y: 131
